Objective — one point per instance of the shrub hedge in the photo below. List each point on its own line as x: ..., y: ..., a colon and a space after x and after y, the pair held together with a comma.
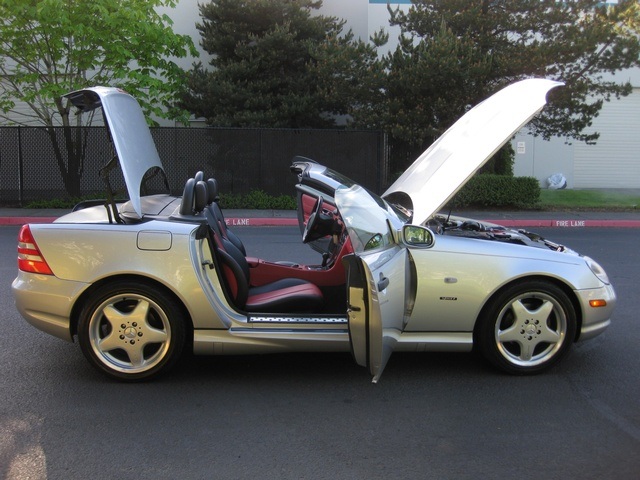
x: 498, y: 191
x: 257, y: 199
x: 485, y: 190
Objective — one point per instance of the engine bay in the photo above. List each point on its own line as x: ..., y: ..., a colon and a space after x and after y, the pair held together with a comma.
x: 464, y: 227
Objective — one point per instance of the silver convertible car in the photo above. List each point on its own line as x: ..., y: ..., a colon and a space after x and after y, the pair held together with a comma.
x: 139, y: 281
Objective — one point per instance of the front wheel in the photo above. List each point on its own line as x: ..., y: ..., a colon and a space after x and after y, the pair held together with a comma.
x: 529, y: 327
x: 131, y: 331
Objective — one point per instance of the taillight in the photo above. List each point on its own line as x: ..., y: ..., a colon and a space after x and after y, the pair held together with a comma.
x: 29, y: 257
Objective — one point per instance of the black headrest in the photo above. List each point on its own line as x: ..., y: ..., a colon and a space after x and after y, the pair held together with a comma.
x: 186, y: 206
x: 201, y: 196
x: 212, y: 185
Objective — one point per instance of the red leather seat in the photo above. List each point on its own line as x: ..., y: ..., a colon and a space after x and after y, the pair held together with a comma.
x: 287, y: 295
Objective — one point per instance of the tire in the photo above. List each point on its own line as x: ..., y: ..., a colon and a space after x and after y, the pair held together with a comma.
x: 528, y: 328
x: 131, y: 331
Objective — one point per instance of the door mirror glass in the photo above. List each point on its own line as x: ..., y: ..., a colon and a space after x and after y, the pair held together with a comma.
x: 417, y: 236
x: 376, y: 241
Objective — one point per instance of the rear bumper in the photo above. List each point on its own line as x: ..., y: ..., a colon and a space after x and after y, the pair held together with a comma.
x: 46, y: 302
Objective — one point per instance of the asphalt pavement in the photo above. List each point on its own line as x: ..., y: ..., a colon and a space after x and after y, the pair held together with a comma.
x: 507, y: 218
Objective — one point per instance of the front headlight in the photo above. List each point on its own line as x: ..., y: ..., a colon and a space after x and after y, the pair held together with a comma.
x: 597, y: 270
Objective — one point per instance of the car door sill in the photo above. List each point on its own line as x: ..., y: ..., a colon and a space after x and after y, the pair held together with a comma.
x: 298, y: 319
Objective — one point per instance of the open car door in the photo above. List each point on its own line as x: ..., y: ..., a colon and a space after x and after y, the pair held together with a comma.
x: 376, y: 298
x: 378, y: 276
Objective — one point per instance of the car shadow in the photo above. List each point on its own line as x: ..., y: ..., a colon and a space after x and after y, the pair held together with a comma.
x: 321, y: 367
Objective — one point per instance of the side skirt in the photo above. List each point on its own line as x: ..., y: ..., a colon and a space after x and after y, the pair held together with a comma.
x: 249, y: 341
x: 260, y: 338
x: 434, y: 342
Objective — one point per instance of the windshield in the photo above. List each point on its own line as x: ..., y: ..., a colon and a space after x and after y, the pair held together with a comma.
x: 371, y: 222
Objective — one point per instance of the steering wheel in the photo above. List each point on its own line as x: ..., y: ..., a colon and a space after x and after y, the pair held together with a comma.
x: 313, y: 219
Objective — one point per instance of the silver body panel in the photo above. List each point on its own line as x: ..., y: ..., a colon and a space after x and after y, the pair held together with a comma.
x: 455, y: 278
x: 408, y: 297
x: 458, y: 275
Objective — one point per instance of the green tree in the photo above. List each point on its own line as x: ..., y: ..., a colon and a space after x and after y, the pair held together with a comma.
x: 276, y: 64
x: 454, y: 53
x: 51, y: 47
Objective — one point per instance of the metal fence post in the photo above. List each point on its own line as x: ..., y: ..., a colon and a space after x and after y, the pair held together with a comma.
x: 20, y: 167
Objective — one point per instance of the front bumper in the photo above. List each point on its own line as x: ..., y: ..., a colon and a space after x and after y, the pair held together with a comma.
x: 46, y: 302
x: 596, y: 320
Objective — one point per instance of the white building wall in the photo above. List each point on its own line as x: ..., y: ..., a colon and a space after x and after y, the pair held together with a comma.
x: 614, y: 161
x: 355, y: 12
x: 539, y: 158
x: 185, y: 15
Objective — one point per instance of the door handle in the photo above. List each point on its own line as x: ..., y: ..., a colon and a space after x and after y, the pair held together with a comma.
x: 383, y: 282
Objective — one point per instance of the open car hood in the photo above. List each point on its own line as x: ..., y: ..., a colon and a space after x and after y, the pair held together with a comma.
x: 131, y: 137
x: 450, y: 161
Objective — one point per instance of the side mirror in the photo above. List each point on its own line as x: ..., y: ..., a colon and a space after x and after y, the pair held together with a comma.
x: 417, y: 236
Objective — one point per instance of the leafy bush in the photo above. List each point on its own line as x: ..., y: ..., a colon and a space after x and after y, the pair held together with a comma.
x: 498, y: 191
x: 481, y: 191
x: 257, y: 199
x: 501, y: 163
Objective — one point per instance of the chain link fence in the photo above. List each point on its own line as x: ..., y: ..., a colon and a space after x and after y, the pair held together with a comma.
x: 241, y: 160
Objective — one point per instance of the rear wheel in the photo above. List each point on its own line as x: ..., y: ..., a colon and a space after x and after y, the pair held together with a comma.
x: 528, y: 328
x: 131, y: 330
